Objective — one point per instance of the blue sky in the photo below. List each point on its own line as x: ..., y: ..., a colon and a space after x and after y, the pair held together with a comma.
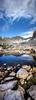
x: 17, y: 17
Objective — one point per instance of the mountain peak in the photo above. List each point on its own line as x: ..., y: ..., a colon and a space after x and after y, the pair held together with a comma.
x: 34, y: 35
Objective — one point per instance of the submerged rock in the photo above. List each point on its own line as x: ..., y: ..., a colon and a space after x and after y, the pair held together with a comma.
x: 32, y: 91
x: 22, y: 73
x: 18, y: 65
x: 4, y: 64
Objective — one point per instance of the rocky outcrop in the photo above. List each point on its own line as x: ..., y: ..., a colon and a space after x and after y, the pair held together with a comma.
x: 15, y: 95
x: 15, y: 84
x: 22, y: 73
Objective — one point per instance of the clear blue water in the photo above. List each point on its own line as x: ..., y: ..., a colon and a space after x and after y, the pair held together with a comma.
x: 13, y: 60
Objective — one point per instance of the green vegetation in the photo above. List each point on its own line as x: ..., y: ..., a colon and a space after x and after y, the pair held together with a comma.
x: 30, y: 82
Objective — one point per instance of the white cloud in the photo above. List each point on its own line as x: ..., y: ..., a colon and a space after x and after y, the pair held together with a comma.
x: 19, y: 8
x: 27, y: 34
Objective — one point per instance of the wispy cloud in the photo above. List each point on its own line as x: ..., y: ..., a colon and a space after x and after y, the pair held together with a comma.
x: 18, y: 9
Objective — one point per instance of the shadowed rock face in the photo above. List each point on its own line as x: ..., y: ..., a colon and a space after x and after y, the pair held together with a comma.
x: 33, y: 39
x: 34, y: 35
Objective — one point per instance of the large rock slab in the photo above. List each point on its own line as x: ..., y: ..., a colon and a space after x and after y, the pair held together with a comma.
x: 8, y: 85
x: 22, y: 73
x: 15, y: 95
x: 8, y: 79
x: 32, y: 91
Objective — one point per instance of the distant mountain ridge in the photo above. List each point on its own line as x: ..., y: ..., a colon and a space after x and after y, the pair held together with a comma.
x: 19, y: 39
x: 15, y: 38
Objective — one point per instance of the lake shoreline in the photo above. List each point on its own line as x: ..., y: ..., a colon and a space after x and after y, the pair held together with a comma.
x: 18, y: 80
x: 11, y: 60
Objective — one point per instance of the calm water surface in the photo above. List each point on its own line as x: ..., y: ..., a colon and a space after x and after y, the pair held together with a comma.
x: 13, y: 60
